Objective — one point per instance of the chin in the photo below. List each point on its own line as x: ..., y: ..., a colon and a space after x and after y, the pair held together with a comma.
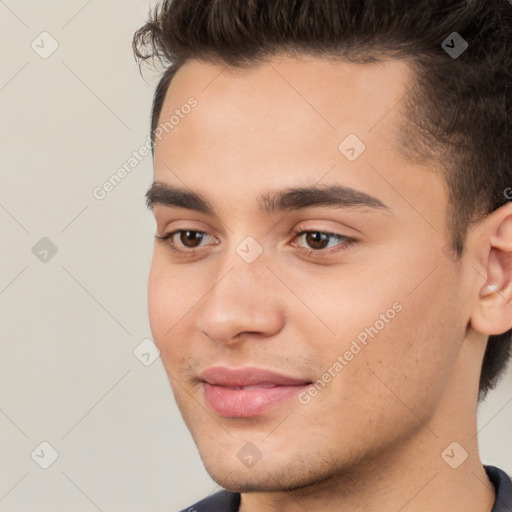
x: 234, y: 481
x: 271, y: 476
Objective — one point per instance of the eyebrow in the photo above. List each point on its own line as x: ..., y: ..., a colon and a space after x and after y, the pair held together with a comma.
x: 335, y: 196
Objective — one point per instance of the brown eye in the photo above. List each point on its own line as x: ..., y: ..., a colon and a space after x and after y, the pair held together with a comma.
x: 318, y: 243
x: 190, y: 239
x: 316, y: 239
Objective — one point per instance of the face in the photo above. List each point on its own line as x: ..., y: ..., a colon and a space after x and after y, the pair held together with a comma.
x: 308, y: 334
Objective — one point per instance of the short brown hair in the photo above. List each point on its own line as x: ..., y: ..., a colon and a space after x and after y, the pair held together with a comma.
x: 459, y: 113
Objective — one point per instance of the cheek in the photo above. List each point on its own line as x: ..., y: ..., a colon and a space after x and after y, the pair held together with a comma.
x: 400, y: 325
x: 342, y: 305
x: 166, y: 307
x: 390, y: 387
x: 409, y: 363
x: 157, y: 302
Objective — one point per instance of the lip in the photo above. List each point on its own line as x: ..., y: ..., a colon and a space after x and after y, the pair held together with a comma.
x: 247, y: 392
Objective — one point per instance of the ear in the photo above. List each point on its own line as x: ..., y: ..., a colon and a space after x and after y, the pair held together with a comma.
x: 492, y: 246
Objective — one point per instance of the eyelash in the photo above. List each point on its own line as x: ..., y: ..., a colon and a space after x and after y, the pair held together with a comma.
x: 322, y: 253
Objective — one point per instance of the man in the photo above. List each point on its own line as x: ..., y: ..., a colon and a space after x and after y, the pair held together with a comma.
x: 331, y: 285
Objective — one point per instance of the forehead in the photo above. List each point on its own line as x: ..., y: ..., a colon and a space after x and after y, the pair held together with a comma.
x: 280, y: 122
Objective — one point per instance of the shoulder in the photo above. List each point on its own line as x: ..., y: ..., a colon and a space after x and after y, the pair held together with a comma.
x: 503, y: 487
x: 222, y: 501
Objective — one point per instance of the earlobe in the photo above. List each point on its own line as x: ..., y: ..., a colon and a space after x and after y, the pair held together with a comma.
x: 492, y: 314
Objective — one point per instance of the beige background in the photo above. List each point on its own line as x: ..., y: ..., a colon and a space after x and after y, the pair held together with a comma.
x: 70, y: 324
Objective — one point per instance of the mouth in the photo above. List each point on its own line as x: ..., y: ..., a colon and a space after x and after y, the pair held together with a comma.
x: 248, y: 392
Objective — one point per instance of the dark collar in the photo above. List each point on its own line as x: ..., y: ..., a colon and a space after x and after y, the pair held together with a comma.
x: 503, y: 487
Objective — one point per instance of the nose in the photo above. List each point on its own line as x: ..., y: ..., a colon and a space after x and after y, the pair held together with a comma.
x: 245, y: 300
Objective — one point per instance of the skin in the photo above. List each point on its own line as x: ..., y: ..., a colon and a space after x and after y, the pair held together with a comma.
x: 372, y: 439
